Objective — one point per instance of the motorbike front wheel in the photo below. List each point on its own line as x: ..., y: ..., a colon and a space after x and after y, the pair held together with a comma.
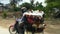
x: 11, y: 30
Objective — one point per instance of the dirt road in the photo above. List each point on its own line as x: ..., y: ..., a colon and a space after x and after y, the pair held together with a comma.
x: 53, y: 27
x: 3, y: 30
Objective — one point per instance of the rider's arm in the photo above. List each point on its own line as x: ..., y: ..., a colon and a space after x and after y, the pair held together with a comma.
x: 43, y: 14
x: 23, y: 17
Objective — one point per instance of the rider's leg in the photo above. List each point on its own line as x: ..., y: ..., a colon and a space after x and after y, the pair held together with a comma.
x: 41, y: 20
x: 16, y: 26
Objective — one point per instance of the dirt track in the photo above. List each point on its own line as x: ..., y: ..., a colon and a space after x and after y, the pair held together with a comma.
x: 50, y: 28
x: 5, y: 31
x: 47, y: 31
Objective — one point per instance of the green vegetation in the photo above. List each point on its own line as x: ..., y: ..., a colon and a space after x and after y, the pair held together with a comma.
x: 51, y: 4
x: 4, y: 14
x: 49, y: 9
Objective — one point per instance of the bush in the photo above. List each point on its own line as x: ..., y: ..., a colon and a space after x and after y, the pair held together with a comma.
x: 4, y: 14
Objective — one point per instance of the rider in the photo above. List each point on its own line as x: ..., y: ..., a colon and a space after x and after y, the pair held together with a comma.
x: 24, y: 19
x: 42, y: 13
x: 26, y: 13
x: 23, y: 9
x: 19, y: 21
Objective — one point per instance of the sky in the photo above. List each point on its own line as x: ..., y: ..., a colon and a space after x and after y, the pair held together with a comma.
x: 7, y: 1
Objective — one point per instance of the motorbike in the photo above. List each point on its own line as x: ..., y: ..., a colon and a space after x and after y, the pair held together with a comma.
x: 34, y: 25
x: 11, y: 29
x: 16, y: 28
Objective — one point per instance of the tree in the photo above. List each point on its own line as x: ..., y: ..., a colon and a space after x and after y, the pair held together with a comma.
x: 52, y: 4
x: 1, y: 3
x: 37, y: 3
x: 27, y: 5
x: 40, y: 6
x: 32, y: 2
x: 14, y: 3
